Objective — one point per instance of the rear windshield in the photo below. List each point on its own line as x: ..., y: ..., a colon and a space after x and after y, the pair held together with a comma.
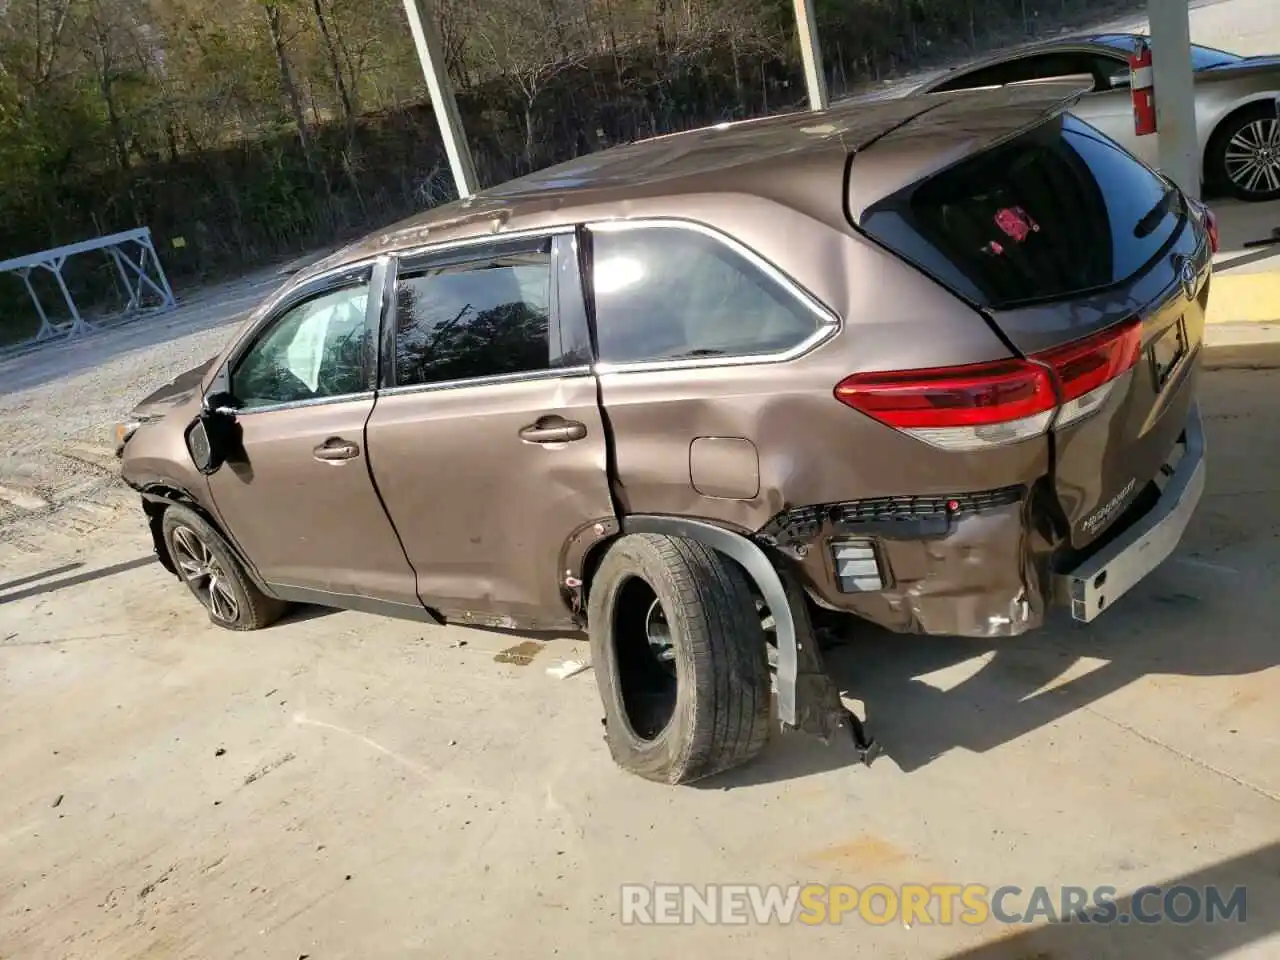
x: 1055, y: 213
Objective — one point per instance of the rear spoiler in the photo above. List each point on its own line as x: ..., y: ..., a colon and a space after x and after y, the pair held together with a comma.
x: 952, y: 127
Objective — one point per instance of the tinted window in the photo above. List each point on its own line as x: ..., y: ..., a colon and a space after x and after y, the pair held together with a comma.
x: 478, y: 319
x: 1059, y: 211
x: 315, y: 349
x: 666, y: 293
x: 1042, y: 67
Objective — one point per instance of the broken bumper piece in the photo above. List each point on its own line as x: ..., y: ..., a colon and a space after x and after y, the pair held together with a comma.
x: 1106, y: 576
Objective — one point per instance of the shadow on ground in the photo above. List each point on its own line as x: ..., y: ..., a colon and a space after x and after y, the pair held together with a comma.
x: 925, y: 696
x: 1258, y: 872
x: 39, y: 584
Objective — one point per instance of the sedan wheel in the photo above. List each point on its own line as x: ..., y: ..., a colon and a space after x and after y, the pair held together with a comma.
x: 199, y: 567
x: 1248, y: 159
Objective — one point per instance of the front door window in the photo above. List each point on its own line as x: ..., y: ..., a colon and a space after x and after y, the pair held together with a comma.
x: 315, y: 350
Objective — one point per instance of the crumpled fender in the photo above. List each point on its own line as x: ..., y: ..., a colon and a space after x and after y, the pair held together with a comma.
x: 807, y: 698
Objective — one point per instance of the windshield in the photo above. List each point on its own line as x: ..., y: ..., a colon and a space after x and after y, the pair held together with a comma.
x: 1055, y: 213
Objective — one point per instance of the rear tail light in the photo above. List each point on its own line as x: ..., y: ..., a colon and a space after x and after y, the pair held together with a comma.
x: 991, y: 404
x: 1088, y: 369
x: 1211, y: 226
x: 958, y: 408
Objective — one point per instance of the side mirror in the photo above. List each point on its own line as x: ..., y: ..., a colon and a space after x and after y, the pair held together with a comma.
x: 213, y: 436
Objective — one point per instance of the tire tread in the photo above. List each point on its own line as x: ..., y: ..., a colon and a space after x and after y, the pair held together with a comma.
x: 726, y: 714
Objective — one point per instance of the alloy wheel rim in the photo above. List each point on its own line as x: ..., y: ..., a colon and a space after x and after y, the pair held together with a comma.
x: 204, y: 574
x: 1253, y: 156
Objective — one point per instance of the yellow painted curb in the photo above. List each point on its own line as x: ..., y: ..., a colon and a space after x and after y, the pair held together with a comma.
x: 1244, y: 298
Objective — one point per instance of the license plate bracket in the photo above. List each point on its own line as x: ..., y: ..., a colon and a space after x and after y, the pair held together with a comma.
x: 1168, y: 351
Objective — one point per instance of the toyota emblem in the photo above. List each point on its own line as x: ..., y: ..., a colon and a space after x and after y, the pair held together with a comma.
x: 1187, y: 277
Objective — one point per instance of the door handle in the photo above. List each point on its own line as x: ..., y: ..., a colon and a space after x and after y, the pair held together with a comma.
x: 553, y: 430
x: 335, y: 449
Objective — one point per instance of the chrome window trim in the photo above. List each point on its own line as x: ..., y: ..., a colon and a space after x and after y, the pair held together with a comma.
x: 499, y: 379
x: 445, y: 246
x: 829, y: 322
x: 299, y: 404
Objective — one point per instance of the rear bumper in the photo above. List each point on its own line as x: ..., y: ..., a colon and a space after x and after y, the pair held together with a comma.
x: 1109, y: 574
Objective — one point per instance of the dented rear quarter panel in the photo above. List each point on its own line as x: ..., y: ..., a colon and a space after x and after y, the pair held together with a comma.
x: 812, y: 449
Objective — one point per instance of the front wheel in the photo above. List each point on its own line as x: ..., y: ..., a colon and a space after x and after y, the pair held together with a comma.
x: 210, y: 570
x: 680, y: 659
x: 1244, y: 158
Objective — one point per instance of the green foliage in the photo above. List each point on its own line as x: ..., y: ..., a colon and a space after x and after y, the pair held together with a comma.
x: 255, y: 128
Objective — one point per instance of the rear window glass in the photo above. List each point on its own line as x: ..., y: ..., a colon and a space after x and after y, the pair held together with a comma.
x: 1055, y: 213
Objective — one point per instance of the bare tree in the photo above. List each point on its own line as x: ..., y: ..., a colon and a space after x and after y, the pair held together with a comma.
x: 335, y: 64
x: 271, y: 8
x: 515, y: 42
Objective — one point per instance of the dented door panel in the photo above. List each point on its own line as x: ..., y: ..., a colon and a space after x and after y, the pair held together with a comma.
x: 484, y: 514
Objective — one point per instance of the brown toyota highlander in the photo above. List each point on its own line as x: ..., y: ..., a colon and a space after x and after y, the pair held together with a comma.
x: 931, y: 363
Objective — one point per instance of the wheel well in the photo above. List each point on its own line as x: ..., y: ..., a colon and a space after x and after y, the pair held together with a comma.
x: 158, y: 499
x: 155, y: 519
x: 591, y: 563
x: 1253, y: 106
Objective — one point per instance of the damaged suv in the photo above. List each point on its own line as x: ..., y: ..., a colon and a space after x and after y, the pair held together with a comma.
x: 929, y: 363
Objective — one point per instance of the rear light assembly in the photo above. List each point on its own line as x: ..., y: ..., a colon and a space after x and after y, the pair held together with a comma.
x: 1209, y: 220
x: 1211, y: 227
x: 1088, y: 370
x: 983, y: 405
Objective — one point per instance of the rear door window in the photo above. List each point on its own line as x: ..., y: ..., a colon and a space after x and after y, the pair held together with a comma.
x: 671, y: 292
x: 1055, y: 213
x: 480, y: 318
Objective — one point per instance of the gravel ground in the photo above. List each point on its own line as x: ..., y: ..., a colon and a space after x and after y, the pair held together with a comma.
x: 59, y: 403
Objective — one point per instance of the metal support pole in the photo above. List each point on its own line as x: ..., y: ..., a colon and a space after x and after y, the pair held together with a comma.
x: 431, y: 55
x: 148, y: 247
x: 1179, y: 143
x: 47, y: 329
x: 79, y: 325
x: 814, y: 77
x: 131, y: 301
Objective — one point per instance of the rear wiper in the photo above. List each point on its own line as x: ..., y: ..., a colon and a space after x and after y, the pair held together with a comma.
x: 1159, y: 210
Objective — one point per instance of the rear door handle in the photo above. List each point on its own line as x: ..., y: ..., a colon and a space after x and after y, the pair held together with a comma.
x: 335, y: 449
x: 553, y: 430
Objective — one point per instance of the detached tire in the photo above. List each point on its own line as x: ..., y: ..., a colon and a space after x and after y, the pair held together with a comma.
x: 680, y: 659
x: 209, y: 568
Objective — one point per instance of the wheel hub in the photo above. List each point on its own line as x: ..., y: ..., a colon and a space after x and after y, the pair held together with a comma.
x: 204, y: 575
x: 1253, y: 156
x: 658, y: 632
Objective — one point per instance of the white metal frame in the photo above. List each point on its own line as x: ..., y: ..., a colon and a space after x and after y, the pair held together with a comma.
x: 1170, y: 31
x: 141, y: 274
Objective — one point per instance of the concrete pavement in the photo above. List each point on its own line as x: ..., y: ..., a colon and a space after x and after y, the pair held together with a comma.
x: 344, y: 786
